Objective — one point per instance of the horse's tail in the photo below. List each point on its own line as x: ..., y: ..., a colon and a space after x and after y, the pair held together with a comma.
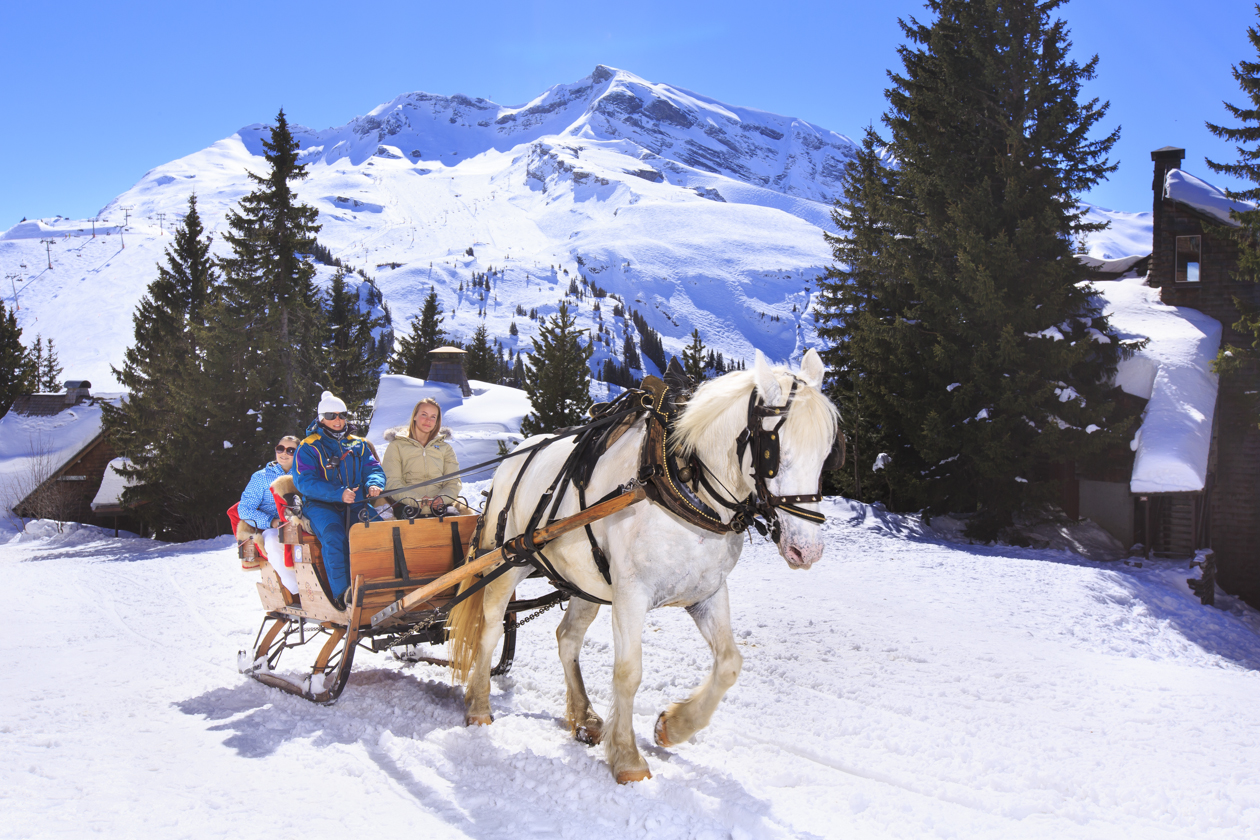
x: 463, y: 632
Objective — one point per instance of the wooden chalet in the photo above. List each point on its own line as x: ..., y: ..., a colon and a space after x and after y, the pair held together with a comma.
x: 1193, y: 260
x: 59, y: 482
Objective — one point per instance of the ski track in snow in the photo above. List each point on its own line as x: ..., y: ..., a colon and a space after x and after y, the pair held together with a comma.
x: 903, y: 687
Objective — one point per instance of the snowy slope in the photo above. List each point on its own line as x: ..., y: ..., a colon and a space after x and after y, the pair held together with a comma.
x: 699, y: 214
x: 903, y: 687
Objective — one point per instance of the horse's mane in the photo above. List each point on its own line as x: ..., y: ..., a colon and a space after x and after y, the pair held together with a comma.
x: 718, y: 412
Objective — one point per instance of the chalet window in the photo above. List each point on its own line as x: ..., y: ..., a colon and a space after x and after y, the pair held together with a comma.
x: 1189, y: 255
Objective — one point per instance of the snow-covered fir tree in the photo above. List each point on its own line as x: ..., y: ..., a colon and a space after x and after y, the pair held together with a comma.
x: 557, y: 378
x: 979, y: 355
x: 481, y: 363
x: 17, y: 367
x: 693, y: 357
x: 412, y: 357
x: 160, y: 426
x: 354, y: 364
x: 269, y: 295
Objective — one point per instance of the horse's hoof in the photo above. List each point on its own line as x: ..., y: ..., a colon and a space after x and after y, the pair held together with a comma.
x: 659, y: 733
x: 478, y: 720
x: 589, y: 734
x: 625, y: 777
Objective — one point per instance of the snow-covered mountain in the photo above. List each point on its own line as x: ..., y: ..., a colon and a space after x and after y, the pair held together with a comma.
x: 698, y: 214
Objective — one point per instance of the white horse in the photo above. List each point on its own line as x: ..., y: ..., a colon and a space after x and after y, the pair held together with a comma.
x: 656, y: 559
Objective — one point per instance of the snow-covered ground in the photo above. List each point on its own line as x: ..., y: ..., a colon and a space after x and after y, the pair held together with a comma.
x: 903, y: 687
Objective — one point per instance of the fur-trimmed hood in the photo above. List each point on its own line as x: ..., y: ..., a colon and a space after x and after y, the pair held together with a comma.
x: 401, y: 432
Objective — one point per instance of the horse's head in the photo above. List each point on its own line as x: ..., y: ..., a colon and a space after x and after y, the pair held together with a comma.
x: 805, y: 433
x: 779, y: 457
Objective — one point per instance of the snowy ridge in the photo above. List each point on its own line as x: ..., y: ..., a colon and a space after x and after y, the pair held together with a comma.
x: 903, y: 687
x: 699, y: 214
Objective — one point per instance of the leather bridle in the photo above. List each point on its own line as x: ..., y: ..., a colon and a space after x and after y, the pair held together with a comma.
x: 765, y: 464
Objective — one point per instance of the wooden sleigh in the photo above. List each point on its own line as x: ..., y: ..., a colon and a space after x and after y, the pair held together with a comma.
x: 404, y: 574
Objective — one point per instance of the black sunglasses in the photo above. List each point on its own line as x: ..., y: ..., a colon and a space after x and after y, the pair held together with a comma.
x: 335, y: 415
x: 286, y: 449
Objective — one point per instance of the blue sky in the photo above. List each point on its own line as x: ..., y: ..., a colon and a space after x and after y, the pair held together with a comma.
x: 93, y: 95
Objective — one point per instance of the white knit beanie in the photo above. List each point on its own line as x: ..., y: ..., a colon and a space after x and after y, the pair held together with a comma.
x: 327, y: 402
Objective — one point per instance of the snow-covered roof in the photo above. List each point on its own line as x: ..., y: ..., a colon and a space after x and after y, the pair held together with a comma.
x: 1202, y: 196
x: 112, y: 485
x: 1173, y: 372
x: 32, y: 449
x: 1114, y: 267
x: 492, y: 414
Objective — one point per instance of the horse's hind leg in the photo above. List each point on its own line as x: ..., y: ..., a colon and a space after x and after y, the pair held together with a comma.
x: 628, y: 613
x: 495, y: 598
x: 682, y: 720
x: 585, y: 725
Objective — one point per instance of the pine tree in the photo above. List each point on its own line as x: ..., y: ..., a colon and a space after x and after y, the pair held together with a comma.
x: 557, y: 378
x: 1233, y: 361
x: 158, y: 428
x: 412, y: 358
x: 482, y: 361
x: 269, y: 298
x: 354, y: 364
x: 17, y: 367
x: 49, y: 368
x: 693, y: 361
x: 966, y: 331
x: 630, y: 354
x: 856, y: 299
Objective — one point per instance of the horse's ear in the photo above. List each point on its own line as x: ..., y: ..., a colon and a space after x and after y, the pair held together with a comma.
x: 812, y: 369
x: 767, y: 382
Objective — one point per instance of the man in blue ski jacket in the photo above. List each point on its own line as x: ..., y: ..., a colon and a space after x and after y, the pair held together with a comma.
x: 335, y: 472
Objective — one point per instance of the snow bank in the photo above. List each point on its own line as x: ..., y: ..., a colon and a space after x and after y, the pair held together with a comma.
x: 492, y: 414
x: 1202, y: 196
x: 1174, y: 373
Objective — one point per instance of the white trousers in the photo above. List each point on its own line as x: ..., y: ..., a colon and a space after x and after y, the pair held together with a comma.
x: 275, y: 556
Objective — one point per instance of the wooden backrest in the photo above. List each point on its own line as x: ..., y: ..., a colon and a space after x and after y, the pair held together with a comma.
x: 428, y: 546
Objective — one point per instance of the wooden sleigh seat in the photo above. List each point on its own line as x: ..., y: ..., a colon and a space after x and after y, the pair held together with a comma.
x: 392, y: 557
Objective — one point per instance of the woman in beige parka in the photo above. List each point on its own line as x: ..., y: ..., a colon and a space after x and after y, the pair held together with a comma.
x: 420, y: 453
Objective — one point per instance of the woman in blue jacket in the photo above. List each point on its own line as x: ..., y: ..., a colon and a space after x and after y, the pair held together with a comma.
x: 258, y: 508
x: 336, y: 473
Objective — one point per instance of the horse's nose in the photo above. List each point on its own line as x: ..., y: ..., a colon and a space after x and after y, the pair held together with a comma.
x: 799, y: 557
x: 794, y: 556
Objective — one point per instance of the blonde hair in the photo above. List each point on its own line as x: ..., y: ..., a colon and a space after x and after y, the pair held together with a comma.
x: 411, y: 427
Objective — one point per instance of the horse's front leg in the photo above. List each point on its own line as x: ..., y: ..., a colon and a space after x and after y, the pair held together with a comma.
x: 682, y: 720
x: 628, y: 613
x: 585, y: 725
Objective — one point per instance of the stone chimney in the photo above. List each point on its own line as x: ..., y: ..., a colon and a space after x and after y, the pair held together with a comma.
x: 1169, y: 157
x: 1163, y: 257
x: 446, y: 364
x: 78, y: 390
